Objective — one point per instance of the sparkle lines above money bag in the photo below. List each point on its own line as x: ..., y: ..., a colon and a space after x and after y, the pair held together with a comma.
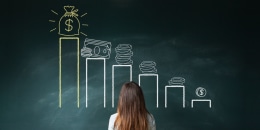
x: 69, y: 22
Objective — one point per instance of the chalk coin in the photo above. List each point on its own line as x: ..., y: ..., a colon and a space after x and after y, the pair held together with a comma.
x: 201, y: 92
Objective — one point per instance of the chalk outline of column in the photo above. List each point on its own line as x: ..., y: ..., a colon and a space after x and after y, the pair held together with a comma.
x: 104, y: 59
x: 113, y: 75
x: 175, y: 86
x: 157, y: 78
x: 69, y: 38
x: 201, y: 100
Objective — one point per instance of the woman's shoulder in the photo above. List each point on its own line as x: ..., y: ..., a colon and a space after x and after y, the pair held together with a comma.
x: 151, y: 121
x: 150, y: 116
x: 113, y: 116
x: 112, y: 121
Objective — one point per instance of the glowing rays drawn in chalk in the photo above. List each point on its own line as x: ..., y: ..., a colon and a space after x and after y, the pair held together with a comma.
x: 69, y: 22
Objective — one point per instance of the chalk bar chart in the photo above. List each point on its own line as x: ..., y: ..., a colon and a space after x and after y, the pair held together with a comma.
x: 100, y: 50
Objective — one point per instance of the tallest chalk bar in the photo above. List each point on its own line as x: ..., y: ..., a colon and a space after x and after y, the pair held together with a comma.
x: 94, y: 50
x: 68, y: 70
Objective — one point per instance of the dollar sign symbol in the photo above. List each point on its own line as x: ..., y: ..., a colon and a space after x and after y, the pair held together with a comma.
x: 201, y: 92
x: 69, y: 26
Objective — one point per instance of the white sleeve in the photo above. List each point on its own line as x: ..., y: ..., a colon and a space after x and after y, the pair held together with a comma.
x: 152, y: 123
x: 111, y: 123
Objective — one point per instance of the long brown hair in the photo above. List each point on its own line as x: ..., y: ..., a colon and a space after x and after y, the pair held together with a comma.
x: 131, y: 109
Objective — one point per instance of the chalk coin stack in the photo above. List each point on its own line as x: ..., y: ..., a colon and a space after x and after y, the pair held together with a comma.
x: 176, y: 81
x: 86, y: 52
x: 148, y: 67
x: 124, y: 54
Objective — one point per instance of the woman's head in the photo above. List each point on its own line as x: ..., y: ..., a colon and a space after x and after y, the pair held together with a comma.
x: 132, y: 112
x: 131, y: 98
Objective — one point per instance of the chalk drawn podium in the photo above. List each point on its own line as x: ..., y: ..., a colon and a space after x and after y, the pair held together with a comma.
x: 200, y: 100
x: 123, y: 58
x: 175, y: 86
x: 113, y: 81
x: 96, y: 50
x: 60, y: 66
x: 200, y: 92
x: 157, y: 84
x: 176, y: 82
x: 148, y: 69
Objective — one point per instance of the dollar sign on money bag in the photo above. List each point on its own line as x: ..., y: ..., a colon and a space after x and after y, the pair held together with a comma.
x: 69, y: 24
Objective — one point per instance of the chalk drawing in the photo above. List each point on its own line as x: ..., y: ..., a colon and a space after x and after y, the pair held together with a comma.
x: 69, y: 23
x: 124, y: 54
x: 68, y: 28
x: 183, y: 94
x: 176, y: 81
x: 96, y: 49
x: 157, y: 85
x: 87, y: 79
x: 148, y: 67
x: 201, y: 92
x: 200, y: 100
x: 113, y: 81
x: 60, y: 65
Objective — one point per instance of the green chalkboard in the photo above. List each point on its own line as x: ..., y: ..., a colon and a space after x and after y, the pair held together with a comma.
x: 63, y: 67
